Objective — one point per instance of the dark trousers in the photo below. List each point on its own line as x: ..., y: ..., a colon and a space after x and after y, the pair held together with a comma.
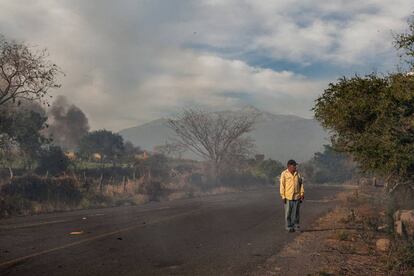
x: 292, y: 213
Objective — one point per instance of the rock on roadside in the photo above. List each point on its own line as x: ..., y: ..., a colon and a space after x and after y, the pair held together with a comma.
x: 383, y: 245
x: 404, y: 223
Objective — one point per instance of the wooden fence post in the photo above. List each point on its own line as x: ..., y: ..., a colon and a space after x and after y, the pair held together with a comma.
x: 101, y: 183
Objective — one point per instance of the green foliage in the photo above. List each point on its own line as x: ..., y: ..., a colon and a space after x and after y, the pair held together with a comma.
x: 24, y: 127
x: 27, y: 127
x: 130, y: 152
x: 405, y: 42
x: 401, y: 260
x: 329, y: 166
x: 108, y: 144
x: 41, y: 189
x: 14, y: 205
x: 268, y: 169
x: 53, y: 161
x: 342, y: 235
x: 372, y: 118
x: 21, y: 134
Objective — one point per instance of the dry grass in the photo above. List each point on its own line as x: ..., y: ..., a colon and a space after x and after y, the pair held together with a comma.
x: 178, y: 195
x: 129, y: 188
x: 32, y: 194
x: 342, y: 235
x: 221, y: 190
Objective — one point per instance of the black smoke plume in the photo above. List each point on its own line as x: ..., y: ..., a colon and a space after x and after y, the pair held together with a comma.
x: 67, y: 124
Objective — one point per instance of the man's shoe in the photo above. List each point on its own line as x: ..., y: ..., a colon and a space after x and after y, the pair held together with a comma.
x: 291, y: 230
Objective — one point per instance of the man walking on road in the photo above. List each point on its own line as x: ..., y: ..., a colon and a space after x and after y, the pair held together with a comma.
x: 292, y: 193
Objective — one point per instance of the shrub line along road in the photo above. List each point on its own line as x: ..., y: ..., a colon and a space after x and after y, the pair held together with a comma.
x: 229, y: 234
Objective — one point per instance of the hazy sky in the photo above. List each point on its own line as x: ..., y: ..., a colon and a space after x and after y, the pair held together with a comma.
x: 128, y: 62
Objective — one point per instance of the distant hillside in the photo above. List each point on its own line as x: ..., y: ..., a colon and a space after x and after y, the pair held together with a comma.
x: 279, y: 137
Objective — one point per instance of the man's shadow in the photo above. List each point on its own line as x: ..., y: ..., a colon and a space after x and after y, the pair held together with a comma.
x: 329, y: 229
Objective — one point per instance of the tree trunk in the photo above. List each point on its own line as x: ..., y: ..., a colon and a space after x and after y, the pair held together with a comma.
x: 101, y: 183
x: 388, y: 182
x: 216, y: 173
x: 11, y: 173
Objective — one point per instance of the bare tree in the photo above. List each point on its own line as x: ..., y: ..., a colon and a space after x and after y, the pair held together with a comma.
x: 212, y: 136
x: 174, y: 150
x: 239, y: 152
x: 25, y: 74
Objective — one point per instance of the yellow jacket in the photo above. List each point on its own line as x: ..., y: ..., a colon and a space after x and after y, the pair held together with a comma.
x: 291, y: 186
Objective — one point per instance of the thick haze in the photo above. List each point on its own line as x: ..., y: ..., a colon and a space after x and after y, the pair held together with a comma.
x: 128, y: 62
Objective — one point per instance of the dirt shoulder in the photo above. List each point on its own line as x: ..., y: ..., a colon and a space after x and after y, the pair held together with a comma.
x: 343, y: 242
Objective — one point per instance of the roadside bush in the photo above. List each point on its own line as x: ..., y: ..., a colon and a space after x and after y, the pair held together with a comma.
x: 152, y: 189
x: 95, y: 200
x: 329, y: 166
x: 14, y: 205
x: 342, y: 235
x: 53, y: 161
x: 240, y: 180
x: 268, y: 170
x: 157, y: 164
x: 41, y: 189
x: 401, y: 259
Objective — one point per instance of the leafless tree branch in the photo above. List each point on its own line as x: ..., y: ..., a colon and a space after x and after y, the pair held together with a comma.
x: 212, y: 135
x: 25, y: 73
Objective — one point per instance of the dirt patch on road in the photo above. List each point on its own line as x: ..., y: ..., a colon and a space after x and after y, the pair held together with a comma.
x: 343, y: 242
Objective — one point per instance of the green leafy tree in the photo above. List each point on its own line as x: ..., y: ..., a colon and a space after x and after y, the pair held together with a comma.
x: 27, y: 132
x: 104, y: 142
x: 405, y: 43
x: 130, y: 153
x: 372, y: 118
x: 269, y: 170
x: 22, y: 127
x: 26, y: 76
x: 331, y: 166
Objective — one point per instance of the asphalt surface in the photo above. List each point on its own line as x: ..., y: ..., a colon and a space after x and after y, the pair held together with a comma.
x: 230, y: 234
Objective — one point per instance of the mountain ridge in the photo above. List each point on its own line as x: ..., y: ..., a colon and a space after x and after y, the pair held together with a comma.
x: 278, y: 136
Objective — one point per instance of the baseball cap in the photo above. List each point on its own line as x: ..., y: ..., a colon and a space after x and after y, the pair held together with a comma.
x: 291, y: 162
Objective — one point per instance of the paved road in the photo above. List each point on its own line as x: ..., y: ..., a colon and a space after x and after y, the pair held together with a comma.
x: 217, y: 235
